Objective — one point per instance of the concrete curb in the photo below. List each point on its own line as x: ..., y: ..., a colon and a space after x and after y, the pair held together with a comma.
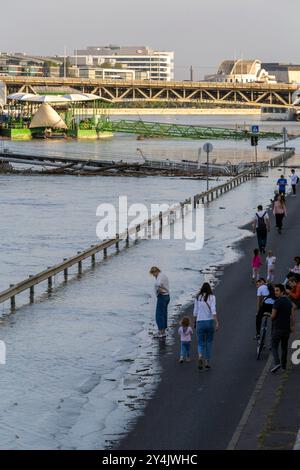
x: 237, y: 434
x: 297, y: 443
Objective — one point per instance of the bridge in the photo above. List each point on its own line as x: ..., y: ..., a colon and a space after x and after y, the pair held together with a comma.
x: 160, y: 129
x: 252, y: 95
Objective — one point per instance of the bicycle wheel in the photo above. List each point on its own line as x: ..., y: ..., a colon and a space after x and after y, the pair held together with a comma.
x: 260, y: 343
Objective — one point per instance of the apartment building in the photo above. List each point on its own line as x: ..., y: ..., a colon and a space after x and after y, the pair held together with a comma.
x: 148, y: 63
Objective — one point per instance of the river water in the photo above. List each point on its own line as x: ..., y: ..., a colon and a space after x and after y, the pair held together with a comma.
x: 82, y: 361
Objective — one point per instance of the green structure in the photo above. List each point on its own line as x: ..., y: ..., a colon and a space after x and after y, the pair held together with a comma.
x: 16, y: 133
x: 158, y: 129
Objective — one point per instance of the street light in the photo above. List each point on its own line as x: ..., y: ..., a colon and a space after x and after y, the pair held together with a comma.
x: 208, y: 148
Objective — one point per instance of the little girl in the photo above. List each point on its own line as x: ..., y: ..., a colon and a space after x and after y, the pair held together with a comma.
x: 270, y: 260
x: 185, y: 332
x: 256, y: 264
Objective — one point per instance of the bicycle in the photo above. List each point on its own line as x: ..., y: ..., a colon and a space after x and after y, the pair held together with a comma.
x: 263, y: 334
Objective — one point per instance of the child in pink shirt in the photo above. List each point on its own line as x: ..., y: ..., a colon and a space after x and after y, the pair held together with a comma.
x: 256, y: 264
x: 185, y: 332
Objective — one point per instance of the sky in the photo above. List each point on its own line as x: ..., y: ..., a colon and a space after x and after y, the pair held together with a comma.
x: 201, y: 33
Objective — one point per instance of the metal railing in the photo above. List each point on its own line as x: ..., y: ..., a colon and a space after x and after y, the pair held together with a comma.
x: 148, y: 225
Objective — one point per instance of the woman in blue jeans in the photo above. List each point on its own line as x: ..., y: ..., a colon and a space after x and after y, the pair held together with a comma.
x: 163, y: 299
x: 206, y: 324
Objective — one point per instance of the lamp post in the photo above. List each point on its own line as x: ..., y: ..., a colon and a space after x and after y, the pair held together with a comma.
x: 284, y: 130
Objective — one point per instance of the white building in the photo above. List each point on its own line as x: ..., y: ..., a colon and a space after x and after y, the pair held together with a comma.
x: 101, y: 73
x: 151, y: 64
x: 241, y: 71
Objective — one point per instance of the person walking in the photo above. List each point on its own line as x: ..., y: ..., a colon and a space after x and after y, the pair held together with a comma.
x: 279, y: 210
x: 282, y: 183
x: 283, y: 323
x: 256, y: 264
x: 261, y: 225
x: 185, y: 331
x: 163, y: 299
x: 270, y: 261
x: 294, y: 181
x: 206, y: 324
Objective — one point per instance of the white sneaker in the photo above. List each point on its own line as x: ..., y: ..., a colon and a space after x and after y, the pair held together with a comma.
x: 275, y: 368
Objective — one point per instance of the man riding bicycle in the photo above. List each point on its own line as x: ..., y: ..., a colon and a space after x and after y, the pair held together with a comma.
x: 265, y: 301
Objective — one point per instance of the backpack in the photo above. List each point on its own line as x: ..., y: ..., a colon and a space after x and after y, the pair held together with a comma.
x: 261, y: 223
x: 268, y: 307
x: 271, y: 292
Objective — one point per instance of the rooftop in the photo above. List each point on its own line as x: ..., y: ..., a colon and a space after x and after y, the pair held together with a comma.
x: 238, y: 67
x: 115, y: 50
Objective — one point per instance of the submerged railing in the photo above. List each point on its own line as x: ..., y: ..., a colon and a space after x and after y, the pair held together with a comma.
x: 176, y: 211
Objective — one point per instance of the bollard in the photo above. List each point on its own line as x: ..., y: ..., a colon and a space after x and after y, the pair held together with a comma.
x: 182, y: 210
x: 149, y: 228
x: 127, y: 238
x: 12, y: 300
x: 66, y: 271
x: 79, y: 264
x: 49, y: 281
x: 93, y: 257
x: 117, y: 242
x: 161, y: 221
x: 137, y: 229
x: 31, y: 293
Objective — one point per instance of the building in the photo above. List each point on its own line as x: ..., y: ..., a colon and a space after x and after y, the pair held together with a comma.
x: 20, y: 64
x: 241, y: 71
x: 150, y: 64
x: 101, y: 73
x: 284, y: 73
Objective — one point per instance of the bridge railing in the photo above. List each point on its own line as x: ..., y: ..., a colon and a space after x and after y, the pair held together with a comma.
x: 172, y: 83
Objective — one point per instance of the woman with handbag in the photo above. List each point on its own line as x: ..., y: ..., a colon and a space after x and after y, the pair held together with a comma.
x: 206, y: 324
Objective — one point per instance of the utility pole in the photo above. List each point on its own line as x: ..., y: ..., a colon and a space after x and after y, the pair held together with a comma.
x: 284, y: 130
x: 199, y: 158
x: 255, y: 155
x: 207, y: 148
x: 254, y: 140
x: 65, y: 61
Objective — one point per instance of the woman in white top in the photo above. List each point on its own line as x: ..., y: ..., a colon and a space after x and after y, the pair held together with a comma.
x: 206, y: 323
x: 162, y: 292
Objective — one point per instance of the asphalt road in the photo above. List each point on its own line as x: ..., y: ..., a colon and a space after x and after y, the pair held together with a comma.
x: 201, y: 410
